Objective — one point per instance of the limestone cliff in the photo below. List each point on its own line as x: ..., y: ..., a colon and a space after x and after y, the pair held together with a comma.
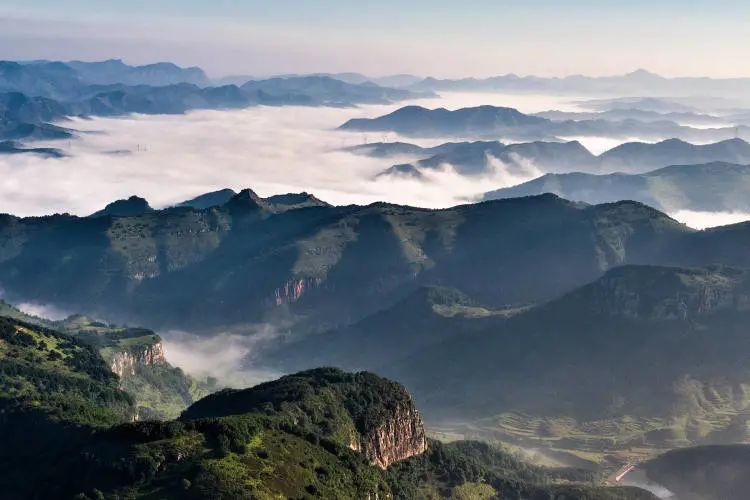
x: 401, y: 436
x: 125, y: 361
x: 372, y: 415
x: 291, y: 291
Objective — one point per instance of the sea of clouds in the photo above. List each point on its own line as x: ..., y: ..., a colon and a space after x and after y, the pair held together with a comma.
x: 272, y: 150
x: 169, y: 158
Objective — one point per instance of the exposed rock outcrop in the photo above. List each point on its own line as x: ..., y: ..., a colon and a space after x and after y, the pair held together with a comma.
x: 293, y: 290
x: 125, y: 362
x: 401, y: 436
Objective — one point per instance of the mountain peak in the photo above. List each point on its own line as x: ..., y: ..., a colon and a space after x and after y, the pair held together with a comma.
x: 642, y: 74
x: 208, y: 200
x: 135, y: 205
x: 245, y: 199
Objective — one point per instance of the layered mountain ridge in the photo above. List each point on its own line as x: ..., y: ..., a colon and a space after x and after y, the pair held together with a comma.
x: 311, y: 259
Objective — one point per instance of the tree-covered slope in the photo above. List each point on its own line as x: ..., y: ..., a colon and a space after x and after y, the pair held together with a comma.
x: 46, y: 371
x: 321, y: 433
x: 54, y: 393
x: 136, y: 356
x: 427, y: 317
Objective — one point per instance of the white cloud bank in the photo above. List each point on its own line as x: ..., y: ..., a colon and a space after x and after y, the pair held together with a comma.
x: 227, y: 357
x: 703, y: 220
x: 169, y: 158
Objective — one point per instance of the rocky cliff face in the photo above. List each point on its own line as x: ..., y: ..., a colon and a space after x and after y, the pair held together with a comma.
x: 401, y: 436
x: 125, y: 362
x: 293, y: 290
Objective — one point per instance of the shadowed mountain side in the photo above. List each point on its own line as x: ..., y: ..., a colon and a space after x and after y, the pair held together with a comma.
x: 482, y: 157
x: 426, y: 317
x: 494, y: 122
x: 598, y: 352
x: 237, y: 262
x: 704, y: 472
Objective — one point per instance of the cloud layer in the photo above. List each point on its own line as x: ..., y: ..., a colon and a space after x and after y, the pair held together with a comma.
x: 228, y: 357
x: 168, y: 158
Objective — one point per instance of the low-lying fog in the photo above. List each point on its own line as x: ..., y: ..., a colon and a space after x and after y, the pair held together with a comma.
x: 169, y: 158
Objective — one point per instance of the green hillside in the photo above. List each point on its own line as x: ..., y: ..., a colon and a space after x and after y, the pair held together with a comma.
x: 315, y: 434
x: 159, y: 389
x: 46, y: 371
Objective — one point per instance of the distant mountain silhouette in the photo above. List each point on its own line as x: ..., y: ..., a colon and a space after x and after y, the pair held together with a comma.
x: 130, y: 207
x: 481, y: 157
x: 709, y: 187
x: 639, y: 82
x: 493, y: 122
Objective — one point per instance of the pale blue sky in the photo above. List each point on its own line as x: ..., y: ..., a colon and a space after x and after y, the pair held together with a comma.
x: 437, y: 37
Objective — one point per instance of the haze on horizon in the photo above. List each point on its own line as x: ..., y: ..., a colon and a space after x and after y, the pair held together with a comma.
x: 479, y: 38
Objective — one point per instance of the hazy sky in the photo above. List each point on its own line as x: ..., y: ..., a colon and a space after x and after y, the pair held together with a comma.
x: 436, y: 37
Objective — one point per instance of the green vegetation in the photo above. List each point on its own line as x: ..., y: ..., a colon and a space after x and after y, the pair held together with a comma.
x: 326, y: 401
x: 53, y: 373
x: 289, y: 438
x: 160, y: 390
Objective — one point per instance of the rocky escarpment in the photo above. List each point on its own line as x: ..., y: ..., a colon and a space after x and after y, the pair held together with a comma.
x: 401, y: 436
x: 125, y: 362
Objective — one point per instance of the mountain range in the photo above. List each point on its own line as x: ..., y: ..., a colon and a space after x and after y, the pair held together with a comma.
x: 315, y: 261
x: 492, y: 122
x: 523, y: 159
x: 34, y: 94
x: 639, y: 83
x: 710, y: 187
x: 605, y: 333
x: 535, y: 309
